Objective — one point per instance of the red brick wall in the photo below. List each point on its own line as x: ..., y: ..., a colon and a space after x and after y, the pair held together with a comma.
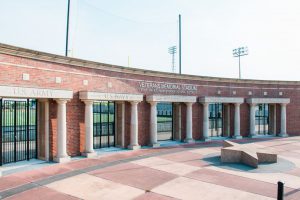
x: 43, y: 73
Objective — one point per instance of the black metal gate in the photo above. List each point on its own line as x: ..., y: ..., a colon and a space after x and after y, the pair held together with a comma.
x: 262, y: 119
x: 216, y: 120
x: 103, y: 124
x: 164, y: 121
x: 18, y: 133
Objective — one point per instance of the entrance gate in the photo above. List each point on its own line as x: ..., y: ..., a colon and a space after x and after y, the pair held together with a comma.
x: 164, y: 121
x: 262, y: 119
x: 18, y: 132
x: 103, y: 124
x: 216, y: 120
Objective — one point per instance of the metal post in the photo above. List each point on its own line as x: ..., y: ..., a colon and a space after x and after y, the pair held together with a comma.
x: 15, y: 131
x: 179, y: 44
x: 27, y: 129
x: 67, y: 35
x: 280, y: 191
x: 1, y: 135
x: 240, y: 67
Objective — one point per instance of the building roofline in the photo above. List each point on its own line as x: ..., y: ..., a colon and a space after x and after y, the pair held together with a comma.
x: 48, y: 57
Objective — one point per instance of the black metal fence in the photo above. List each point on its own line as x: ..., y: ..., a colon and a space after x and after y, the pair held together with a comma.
x: 18, y: 136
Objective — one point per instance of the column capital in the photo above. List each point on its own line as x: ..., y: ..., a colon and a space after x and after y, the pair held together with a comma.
x: 43, y: 100
x: 237, y: 104
x: 152, y: 103
x: 188, y: 103
x: 119, y: 102
x: 61, y: 101
x: 88, y: 102
x: 283, y: 104
x: 204, y: 103
x: 134, y: 102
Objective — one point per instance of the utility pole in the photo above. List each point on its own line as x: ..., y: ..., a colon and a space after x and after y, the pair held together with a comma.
x: 172, y: 51
x: 67, y: 35
x: 179, y: 43
x: 238, y: 52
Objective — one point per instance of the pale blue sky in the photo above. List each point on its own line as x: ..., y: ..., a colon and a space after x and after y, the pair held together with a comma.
x: 110, y: 31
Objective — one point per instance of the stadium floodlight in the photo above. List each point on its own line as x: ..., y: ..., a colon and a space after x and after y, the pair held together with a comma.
x: 238, y: 52
x: 173, y: 51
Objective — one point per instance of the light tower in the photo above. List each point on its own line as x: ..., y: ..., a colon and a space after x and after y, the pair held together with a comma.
x: 172, y: 51
x: 238, y: 52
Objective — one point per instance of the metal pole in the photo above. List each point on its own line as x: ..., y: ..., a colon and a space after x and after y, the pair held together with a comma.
x: 280, y: 191
x: 179, y: 44
x: 240, y: 67
x: 67, y: 35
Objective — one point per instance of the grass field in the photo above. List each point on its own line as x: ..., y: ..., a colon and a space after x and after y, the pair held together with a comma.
x: 8, y: 117
x: 164, y: 119
x: 104, y: 117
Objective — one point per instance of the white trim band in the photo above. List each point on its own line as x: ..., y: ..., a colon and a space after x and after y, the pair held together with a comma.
x: 221, y: 100
x: 38, y: 93
x: 172, y: 98
x: 85, y: 95
x: 268, y: 100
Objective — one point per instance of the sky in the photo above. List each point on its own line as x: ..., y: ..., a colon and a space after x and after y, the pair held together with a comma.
x: 138, y: 33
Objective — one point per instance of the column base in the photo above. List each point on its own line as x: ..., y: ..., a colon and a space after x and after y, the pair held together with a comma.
x: 237, y: 137
x: 189, y: 140
x: 253, y: 136
x: 206, y: 139
x: 134, y: 147
x: 89, y: 155
x: 283, y: 135
x: 62, y: 159
x: 155, y: 145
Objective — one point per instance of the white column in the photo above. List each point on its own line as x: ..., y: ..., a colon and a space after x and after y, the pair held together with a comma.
x: 189, y: 123
x: 88, y: 122
x: 237, y: 130
x: 123, y: 124
x: 283, y: 132
x: 205, y: 122
x: 153, y: 124
x: 252, y: 120
x: 46, y: 105
x: 62, y: 155
x: 179, y: 122
x: 134, y: 126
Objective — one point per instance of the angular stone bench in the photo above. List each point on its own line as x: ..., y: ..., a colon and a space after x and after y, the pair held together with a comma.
x: 245, y: 153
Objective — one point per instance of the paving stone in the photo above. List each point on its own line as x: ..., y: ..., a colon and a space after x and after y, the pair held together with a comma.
x: 186, y: 188
x: 41, y: 193
x: 11, y: 181
x: 206, y: 151
x: 236, y: 182
x: 81, y: 164
x: 134, y: 175
x: 184, y: 156
x: 154, y: 196
x: 86, y: 186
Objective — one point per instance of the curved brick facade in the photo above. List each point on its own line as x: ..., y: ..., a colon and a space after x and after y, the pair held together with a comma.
x: 58, y: 72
